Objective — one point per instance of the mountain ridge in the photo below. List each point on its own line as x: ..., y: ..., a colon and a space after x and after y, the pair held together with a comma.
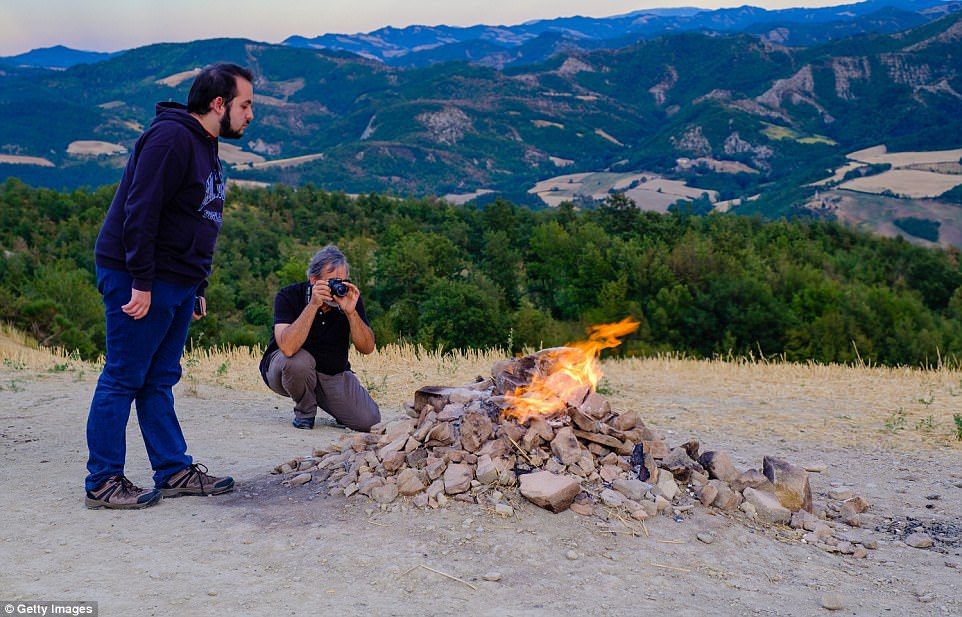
x: 402, y: 46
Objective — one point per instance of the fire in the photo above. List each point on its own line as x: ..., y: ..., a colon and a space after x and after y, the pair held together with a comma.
x: 566, y: 374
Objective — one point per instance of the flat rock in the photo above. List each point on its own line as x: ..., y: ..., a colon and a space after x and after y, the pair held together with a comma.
x: 549, y: 491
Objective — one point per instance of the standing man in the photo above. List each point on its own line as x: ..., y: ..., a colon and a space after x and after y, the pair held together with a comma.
x: 315, y: 323
x: 153, y: 257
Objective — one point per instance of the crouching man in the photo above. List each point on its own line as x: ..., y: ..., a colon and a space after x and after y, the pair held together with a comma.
x: 315, y: 323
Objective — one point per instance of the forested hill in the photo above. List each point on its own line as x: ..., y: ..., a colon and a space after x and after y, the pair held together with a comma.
x: 508, y: 276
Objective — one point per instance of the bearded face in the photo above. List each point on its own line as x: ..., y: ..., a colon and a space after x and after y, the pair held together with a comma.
x: 228, y: 128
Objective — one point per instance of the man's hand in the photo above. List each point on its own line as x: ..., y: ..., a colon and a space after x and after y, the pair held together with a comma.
x: 320, y: 294
x: 348, y: 303
x: 200, y: 307
x: 139, y: 304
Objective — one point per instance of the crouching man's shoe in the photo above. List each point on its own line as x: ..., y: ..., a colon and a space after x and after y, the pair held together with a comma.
x: 119, y: 493
x: 306, y: 423
x: 194, y: 480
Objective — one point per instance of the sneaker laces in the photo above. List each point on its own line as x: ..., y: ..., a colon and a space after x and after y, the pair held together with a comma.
x: 126, y: 486
x: 200, y: 470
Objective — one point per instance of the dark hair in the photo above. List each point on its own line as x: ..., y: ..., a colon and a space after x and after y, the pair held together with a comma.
x: 217, y: 80
x: 330, y: 255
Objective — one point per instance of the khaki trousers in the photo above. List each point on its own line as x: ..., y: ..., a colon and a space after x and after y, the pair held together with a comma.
x: 342, y: 395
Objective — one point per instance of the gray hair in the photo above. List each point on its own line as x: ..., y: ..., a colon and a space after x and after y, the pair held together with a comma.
x: 329, y: 256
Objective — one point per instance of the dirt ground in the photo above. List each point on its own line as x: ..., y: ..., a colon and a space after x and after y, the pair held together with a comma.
x: 266, y: 549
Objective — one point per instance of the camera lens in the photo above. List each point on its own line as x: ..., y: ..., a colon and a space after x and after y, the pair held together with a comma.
x: 338, y: 288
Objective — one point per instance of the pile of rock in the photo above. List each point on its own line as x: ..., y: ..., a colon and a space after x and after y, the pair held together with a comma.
x: 470, y: 443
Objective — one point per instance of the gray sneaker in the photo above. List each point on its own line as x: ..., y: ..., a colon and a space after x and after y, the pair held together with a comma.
x: 119, y: 493
x: 194, y: 480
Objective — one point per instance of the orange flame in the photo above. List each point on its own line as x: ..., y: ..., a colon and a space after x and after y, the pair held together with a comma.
x: 567, y: 374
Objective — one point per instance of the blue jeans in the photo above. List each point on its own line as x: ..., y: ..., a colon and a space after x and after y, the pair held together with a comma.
x: 143, y: 364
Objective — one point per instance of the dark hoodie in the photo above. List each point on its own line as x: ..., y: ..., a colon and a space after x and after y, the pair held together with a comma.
x: 164, y: 219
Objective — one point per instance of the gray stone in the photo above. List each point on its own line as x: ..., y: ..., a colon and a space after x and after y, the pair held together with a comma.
x: 632, y: 489
x: 463, y: 395
x: 803, y: 520
x: 919, y: 540
x: 386, y: 493
x: 421, y: 500
x: 451, y: 412
x: 436, y: 489
x: 612, y: 498
x: 487, y: 472
x: 300, y: 479
x: 705, y: 537
x: 767, y: 506
x: 832, y: 601
x: 841, y: 494
x: 666, y: 487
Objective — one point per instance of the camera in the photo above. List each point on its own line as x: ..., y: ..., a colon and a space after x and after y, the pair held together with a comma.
x: 338, y: 287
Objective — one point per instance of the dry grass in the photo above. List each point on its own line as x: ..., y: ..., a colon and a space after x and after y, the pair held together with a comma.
x: 756, y: 400
x: 902, y: 408
x: 19, y: 352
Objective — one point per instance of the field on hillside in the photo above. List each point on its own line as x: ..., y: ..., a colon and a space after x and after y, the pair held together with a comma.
x: 907, y: 190
x: 649, y: 191
x: 914, y: 175
x: 877, y: 214
x: 884, y: 434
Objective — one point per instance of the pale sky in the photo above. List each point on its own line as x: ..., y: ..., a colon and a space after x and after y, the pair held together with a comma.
x: 114, y: 25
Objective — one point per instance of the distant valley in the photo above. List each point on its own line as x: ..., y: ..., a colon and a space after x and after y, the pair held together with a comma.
x: 740, y: 110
